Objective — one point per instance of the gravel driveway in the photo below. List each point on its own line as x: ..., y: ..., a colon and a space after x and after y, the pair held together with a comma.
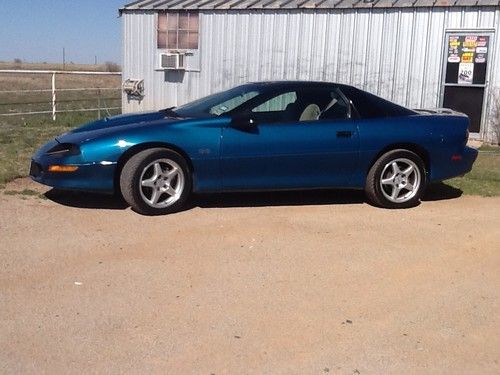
x: 290, y: 283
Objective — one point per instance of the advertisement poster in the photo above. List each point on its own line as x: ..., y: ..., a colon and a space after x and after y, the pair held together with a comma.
x: 465, y: 73
x: 467, y: 58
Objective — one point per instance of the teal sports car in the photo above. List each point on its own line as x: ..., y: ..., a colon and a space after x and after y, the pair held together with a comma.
x: 262, y: 136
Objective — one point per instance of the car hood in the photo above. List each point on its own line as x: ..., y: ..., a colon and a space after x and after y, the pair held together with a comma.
x: 109, y: 125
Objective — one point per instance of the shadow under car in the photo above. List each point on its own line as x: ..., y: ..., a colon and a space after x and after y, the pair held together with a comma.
x: 435, y: 192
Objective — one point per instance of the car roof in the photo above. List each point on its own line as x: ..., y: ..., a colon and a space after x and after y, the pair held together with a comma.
x: 296, y: 84
x: 293, y: 83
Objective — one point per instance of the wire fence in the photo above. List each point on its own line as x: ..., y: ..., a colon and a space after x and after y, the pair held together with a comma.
x: 60, y: 98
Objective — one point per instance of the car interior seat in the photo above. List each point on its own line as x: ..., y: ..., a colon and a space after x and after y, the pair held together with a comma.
x: 310, y: 113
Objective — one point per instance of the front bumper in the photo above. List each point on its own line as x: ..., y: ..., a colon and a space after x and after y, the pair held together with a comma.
x: 88, y: 177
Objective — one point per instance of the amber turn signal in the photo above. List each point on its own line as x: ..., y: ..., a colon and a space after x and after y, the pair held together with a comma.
x: 62, y: 168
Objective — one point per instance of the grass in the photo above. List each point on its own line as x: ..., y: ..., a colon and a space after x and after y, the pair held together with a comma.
x: 484, y: 179
x: 25, y: 193
x: 28, y: 192
x: 489, y: 148
x: 12, y: 102
x: 20, y: 138
x: 54, y: 66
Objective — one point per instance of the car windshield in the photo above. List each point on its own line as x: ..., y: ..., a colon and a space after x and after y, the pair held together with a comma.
x: 220, y: 103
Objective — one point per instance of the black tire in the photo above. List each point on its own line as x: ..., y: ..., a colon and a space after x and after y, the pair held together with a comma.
x: 379, y: 194
x: 140, y: 164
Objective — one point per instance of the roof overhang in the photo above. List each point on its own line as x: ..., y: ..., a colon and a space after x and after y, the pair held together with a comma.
x: 225, y: 5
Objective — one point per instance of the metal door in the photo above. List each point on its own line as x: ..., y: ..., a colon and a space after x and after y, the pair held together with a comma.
x: 465, y: 75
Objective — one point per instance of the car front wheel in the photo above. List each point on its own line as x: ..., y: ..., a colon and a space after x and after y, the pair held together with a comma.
x: 396, y: 180
x: 155, y: 182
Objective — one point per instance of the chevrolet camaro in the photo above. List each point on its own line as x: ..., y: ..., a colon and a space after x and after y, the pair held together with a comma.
x: 258, y: 137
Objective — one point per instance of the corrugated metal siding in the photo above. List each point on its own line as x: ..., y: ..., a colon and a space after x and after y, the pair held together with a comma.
x: 394, y: 53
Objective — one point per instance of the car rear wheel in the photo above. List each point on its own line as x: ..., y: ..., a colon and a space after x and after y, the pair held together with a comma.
x: 396, y: 180
x: 155, y: 182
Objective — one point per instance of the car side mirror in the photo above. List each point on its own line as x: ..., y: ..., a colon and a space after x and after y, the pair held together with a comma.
x: 243, y: 122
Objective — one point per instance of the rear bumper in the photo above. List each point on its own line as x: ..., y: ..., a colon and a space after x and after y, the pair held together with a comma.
x: 469, y: 157
x: 88, y: 177
x: 455, y: 165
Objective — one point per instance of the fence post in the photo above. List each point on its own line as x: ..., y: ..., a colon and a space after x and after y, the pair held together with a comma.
x: 99, y: 105
x: 54, y: 96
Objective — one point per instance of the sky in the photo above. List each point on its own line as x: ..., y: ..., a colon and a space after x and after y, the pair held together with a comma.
x: 38, y: 30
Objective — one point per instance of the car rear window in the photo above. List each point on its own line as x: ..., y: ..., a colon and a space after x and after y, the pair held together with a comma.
x: 372, y: 106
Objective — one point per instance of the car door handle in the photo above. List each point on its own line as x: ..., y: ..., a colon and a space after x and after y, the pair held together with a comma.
x: 344, y: 134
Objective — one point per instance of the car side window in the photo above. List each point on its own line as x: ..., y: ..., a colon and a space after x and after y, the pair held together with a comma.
x: 316, y: 104
x: 232, y: 103
x: 338, y: 108
x: 274, y: 108
x: 302, y: 105
x: 278, y: 103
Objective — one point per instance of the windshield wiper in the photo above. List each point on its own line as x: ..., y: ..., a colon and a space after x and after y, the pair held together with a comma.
x: 170, y: 112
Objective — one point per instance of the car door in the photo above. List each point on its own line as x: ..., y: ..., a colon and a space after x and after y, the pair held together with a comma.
x: 299, y: 139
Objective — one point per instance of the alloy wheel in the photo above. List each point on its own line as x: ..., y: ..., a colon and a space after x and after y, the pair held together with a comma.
x: 400, y: 180
x: 161, y: 183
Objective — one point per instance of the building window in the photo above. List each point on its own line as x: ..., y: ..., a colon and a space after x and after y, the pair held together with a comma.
x: 178, y: 30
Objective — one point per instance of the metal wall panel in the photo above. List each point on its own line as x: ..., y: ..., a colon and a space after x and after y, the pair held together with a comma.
x: 394, y: 53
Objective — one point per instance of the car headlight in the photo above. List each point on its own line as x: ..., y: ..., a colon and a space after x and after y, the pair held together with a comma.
x: 64, y: 149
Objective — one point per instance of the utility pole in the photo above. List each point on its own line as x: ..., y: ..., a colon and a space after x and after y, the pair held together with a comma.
x: 64, y: 58
x: 95, y: 61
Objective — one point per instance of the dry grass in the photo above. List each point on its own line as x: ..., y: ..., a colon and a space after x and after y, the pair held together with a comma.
x: 44, y: 66
x: 12, y: 102
x: 20, y: 136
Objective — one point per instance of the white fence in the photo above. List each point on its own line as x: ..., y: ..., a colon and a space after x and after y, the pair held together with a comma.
x: 53, y: 103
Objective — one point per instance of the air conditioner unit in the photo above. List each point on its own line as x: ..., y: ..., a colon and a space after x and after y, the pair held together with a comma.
x: 173, y: 61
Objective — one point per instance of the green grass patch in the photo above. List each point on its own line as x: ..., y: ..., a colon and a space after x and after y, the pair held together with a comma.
x: 25, y: 193
x: 489, y: 148
x: 28, y: 192
x: 484, y: 179
x: 21, y: 137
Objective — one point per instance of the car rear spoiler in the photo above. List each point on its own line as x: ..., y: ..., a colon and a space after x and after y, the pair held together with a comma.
x: 439, y: 111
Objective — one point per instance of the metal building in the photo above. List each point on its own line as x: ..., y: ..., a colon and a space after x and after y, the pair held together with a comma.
x: 419, y: 53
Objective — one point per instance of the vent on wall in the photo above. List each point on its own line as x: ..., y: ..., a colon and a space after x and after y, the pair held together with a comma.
x: 173, y: 61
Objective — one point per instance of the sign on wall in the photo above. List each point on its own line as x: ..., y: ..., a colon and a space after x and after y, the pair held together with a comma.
x: 467, y: 58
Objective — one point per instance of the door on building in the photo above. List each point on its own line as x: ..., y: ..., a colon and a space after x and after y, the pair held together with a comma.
x: 465, y: 76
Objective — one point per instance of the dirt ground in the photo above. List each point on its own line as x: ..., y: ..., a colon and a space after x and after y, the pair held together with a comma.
x: 286, y: 283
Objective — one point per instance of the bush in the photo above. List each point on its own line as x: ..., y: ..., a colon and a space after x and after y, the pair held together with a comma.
x: 112, y: 67
x: 18, y: 61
